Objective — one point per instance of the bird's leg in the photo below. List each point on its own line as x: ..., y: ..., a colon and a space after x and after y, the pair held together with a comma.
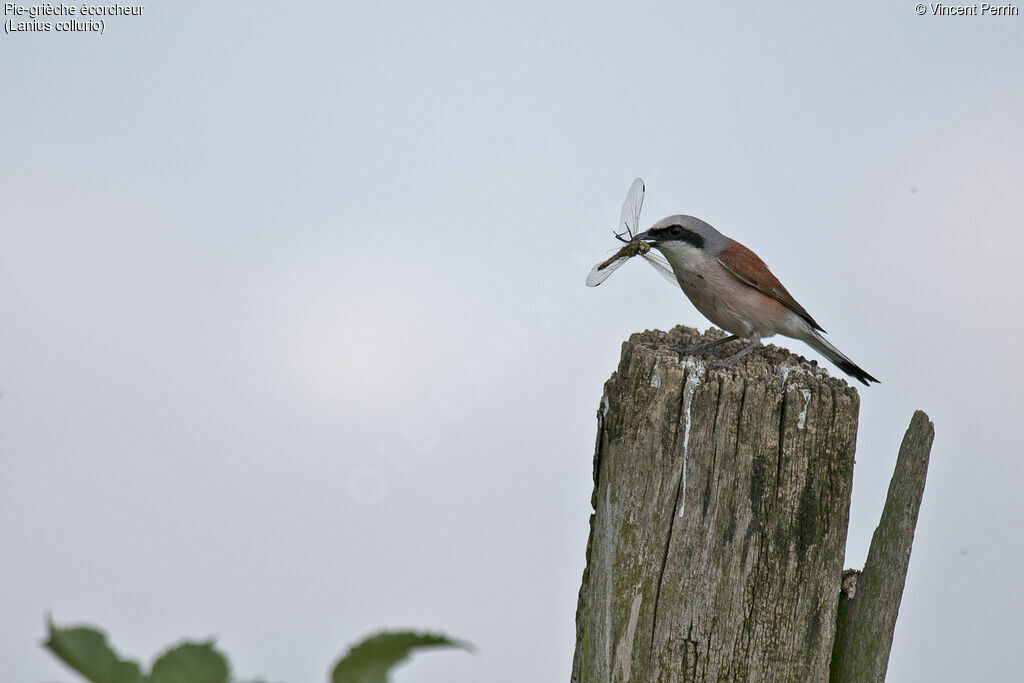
x: 726, y: 362
x: 701, y: 348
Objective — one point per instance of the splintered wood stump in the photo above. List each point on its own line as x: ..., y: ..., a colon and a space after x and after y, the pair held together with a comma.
x: 870, y: 600
x: 721, y: 501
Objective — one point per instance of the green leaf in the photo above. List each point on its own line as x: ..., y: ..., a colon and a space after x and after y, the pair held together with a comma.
x: 371, y: 660
x: 85, y: 650
x: 191, y: 663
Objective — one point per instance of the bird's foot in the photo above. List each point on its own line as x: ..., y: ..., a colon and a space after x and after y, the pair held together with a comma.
x: 731, y: 360
x: 701, y: 348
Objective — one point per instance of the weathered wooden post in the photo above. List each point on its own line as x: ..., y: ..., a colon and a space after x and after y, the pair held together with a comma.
x: 721, y: 503
x: 870, y: 599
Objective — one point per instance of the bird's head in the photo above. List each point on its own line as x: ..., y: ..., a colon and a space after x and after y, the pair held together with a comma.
x: 685, y: 238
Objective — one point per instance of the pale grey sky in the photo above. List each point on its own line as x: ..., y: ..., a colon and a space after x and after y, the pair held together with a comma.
x: 295, y: 342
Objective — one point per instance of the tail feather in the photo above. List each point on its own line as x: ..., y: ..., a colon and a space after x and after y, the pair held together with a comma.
x: 837, y: 357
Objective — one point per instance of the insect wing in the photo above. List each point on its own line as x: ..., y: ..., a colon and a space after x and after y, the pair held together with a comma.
x: 599, y: 274
x: 662, y: 266
x: 630, y: 218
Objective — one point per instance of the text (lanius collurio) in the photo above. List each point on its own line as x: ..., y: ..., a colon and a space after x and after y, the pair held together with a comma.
x: 63, y: 18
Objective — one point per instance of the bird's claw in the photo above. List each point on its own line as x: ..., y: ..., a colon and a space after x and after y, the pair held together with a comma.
x: 702, y: 348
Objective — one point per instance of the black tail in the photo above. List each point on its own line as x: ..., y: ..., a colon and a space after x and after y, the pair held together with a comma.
x: 841, y: 361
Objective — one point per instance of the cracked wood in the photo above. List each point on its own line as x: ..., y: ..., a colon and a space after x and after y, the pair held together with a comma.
x: 721, y: 503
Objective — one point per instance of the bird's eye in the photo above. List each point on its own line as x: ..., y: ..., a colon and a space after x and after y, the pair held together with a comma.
x: 676, y: 230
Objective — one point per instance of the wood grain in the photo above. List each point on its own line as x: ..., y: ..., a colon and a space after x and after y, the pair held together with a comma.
x: 721, y: 502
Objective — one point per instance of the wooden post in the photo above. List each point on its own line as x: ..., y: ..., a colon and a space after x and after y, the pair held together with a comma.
x: 870, y: 599
x: 721, y: 501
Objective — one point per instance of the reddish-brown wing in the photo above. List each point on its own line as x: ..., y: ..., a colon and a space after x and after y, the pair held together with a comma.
x: 749, y: 268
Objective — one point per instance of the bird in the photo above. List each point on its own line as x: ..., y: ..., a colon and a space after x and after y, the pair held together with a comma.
x: 734, y: 289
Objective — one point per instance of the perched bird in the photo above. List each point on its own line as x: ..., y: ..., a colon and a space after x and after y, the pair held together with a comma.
x: 734, y: 289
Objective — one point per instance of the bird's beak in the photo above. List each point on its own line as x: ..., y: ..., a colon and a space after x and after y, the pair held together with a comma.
x: 644, y: 236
